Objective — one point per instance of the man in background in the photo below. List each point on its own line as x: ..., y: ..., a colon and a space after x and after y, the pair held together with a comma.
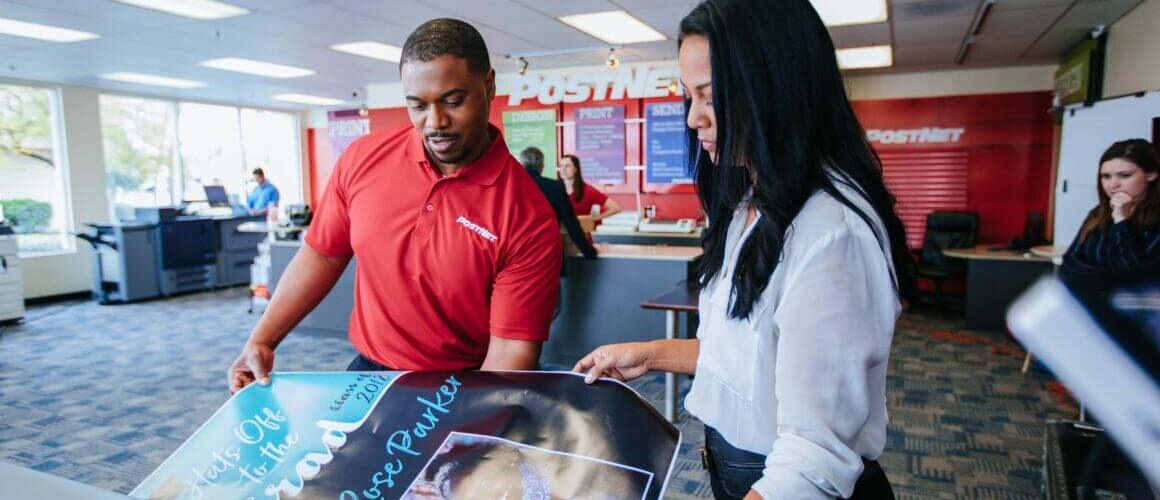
x: 263, y: 196
x: 533, y: 160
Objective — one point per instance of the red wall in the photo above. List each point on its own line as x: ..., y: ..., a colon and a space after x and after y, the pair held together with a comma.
x: 1008, y: 140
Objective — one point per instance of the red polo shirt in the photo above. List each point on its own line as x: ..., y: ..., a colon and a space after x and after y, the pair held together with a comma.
x: 443, y: 263
x: 590, y: 196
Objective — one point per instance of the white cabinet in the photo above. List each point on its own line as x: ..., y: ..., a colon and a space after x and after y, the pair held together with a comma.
x: 11, y: 287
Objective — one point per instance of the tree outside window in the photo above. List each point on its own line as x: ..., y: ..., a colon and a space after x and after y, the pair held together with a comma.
x: 32, y: 193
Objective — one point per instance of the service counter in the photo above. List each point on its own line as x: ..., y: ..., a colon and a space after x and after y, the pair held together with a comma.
x: 600, y: 297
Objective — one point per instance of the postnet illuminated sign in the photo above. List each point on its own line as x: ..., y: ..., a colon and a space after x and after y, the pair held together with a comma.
x: 924, y: 135
x: 625, y: 83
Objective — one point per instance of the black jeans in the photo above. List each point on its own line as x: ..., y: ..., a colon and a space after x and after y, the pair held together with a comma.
x: 732, y: 471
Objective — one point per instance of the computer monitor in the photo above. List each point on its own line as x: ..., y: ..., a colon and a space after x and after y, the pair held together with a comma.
x: 1032, y: 235
x: 216, y: 196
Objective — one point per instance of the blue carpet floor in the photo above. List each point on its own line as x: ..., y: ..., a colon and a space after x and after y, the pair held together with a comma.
x: 102, y: 394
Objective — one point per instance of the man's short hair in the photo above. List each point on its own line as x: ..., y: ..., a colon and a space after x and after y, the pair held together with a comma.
x: 451, y: 37
x: 532, y: 158
x: 259, y: 171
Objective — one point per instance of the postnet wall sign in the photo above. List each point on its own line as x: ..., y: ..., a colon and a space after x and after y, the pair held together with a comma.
x: 920, y: 135
x: 624, y: 83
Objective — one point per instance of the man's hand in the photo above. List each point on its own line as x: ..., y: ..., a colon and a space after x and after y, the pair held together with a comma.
x: 1122, y: 206
x: 623, y: 362
x: 255, y: 363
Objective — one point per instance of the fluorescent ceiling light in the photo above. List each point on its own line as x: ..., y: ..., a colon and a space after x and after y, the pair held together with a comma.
x: 844, y: 12
x: 878, y: 56
x: 614, y: 26
x: 43, y: 31
x: 256, y: 67
x: 161, y: 81
x: 308, y: 99
x: 373, y: 50
x: 196, y: 9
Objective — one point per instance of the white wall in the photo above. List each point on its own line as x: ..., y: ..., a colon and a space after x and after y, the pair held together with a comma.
x: 953, y: 82
x: 1131, y: 63
x: 84, y: 161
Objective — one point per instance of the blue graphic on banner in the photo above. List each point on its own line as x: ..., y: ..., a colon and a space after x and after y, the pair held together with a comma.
x: 269, y: 439
x: 600, y: 143
x: 665, y: 161
x: 421, y: 435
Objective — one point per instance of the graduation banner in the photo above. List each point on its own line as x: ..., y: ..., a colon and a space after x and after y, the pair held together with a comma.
x: 665, y: 143
x: 535, y: 128
x: 412, y: 435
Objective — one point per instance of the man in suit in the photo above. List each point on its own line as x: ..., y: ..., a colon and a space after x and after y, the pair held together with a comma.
x: 533, y: 160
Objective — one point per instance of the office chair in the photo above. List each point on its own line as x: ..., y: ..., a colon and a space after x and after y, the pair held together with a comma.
x: 945, y: 230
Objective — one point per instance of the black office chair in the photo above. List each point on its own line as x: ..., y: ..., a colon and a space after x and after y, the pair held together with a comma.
x: 945, y: 230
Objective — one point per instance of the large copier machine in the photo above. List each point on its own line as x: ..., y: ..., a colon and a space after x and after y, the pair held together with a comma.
x: 162, y: 252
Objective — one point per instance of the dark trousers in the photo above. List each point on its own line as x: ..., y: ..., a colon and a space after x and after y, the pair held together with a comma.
x: 362, y: 364
x: 732, y: 471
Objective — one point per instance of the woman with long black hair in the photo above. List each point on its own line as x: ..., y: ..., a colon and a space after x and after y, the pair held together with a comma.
x: 804, y: 266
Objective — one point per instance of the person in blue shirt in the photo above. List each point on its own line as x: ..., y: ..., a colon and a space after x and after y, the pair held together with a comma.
x: 263, y: 196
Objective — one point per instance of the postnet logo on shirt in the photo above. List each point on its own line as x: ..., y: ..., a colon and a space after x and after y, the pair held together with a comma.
x: 477, y: 229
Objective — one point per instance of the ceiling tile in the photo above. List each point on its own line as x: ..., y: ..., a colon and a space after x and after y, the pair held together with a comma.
x: 557, y: 8
x: 667, y: 19
x: 1056, y: 44
x: 861, y: 35
x: 937, y: 29
x: 999, y: 49
x: 1087, y: 15
x: 494, y: 13
x: 1021, y: 22
x: 901, y: 10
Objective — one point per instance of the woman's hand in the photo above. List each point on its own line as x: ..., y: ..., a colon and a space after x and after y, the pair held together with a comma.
x: 623, y: 362
x: 1122, y: 205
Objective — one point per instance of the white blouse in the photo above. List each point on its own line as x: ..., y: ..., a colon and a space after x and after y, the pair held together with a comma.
x: 803, y: 379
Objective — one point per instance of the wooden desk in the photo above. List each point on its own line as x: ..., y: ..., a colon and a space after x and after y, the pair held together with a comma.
x: 681, y: 298
x: 995, y: 278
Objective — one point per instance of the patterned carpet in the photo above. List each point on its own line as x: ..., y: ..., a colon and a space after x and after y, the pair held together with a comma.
x: 102, y: 394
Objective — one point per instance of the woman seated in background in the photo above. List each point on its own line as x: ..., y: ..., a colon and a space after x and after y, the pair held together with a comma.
x: 582, y: 195
x: 1122, y: 233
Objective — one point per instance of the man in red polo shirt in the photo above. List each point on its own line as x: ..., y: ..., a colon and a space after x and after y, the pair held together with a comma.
x: 458, y: 252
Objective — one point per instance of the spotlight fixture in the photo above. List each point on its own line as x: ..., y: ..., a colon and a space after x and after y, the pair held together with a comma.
x: 523, y: 66
x: 363, y: 110
x: 612, y: 61
x: 673, y: 87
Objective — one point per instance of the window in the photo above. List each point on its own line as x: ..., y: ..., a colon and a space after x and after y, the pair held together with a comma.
x: 163, y: 152
x: 32, y: 187
x: 270, y: 141
x: 139, y: 137
x: 211, y: 150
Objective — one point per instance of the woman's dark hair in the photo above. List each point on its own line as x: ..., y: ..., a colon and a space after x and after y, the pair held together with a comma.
x: 782, y: 113
x: 578, y: 180
x: 1147, y: 213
